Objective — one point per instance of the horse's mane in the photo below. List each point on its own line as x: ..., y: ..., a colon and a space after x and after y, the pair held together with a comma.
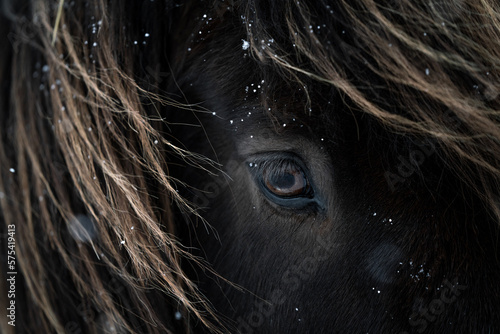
x: 82, y: 134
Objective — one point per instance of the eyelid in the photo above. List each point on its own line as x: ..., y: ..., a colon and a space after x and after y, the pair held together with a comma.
x: 276, y: 163
x: 265, y: 159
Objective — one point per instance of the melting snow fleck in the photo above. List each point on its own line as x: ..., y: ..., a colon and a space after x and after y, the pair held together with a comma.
x: 245, y: 45
x: 82, y: 228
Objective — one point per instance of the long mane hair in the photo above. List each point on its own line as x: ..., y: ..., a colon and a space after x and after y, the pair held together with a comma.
x: 84, y: 143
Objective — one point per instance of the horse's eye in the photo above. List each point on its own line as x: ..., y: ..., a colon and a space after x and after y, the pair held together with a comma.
x: 285, y: 182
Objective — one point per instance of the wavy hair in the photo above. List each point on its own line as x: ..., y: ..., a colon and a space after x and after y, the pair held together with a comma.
x: 84, y: 159
x: 85, y: 150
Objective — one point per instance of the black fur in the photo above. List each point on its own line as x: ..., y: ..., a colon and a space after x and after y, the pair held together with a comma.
x: 399, y: 247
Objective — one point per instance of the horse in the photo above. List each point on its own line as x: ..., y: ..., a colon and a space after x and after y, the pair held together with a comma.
x: 244, y: 166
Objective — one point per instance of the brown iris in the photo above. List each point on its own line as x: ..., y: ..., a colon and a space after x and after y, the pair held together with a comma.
x: 288, y: 182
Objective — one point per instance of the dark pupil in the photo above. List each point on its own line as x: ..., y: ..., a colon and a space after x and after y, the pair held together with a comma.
x: 282, y: 181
